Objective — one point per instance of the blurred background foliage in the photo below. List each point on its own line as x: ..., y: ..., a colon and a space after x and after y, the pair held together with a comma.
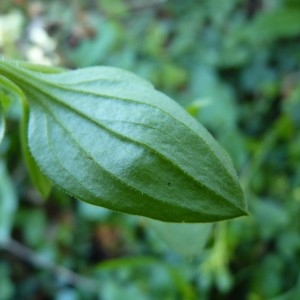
x: 234, y: 65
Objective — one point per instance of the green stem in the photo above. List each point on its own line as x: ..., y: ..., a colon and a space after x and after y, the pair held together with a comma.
x: 14, y: 77
x: 32, y: 67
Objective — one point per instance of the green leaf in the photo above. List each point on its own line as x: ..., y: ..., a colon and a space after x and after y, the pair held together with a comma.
x: 178, y: 277
x: 3, y: 100
x: 109, y: 138
x: 8, y: 204
x: 38, y: 178
x: 2, y: 123
x: 275, y: 24
x: 41, y: 182
x: 186, y: 239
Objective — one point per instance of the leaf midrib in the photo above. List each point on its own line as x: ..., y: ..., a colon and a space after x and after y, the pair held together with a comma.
x: 168, y: 160
x: 94, y: 197
x: 33, y: 75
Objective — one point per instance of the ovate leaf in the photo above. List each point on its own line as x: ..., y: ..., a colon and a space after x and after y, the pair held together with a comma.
x: 109, y: 138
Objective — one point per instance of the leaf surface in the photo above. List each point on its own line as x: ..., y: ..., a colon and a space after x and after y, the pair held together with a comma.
x: 38, y: 178
x: 109, y: 138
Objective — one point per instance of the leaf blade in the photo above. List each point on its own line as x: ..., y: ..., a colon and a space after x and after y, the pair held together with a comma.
x: 38, y: 178
x: 109, y: 138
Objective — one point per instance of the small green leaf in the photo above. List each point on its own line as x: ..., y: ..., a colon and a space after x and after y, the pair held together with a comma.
x: 38, y: 178
x: 8, y: 204
x: 109, y: 138
x: 2, y: 123
x: 187, y: 240
x: 275, y: 24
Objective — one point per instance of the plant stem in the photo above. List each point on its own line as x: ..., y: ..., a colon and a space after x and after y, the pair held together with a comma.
x: 28, y: 255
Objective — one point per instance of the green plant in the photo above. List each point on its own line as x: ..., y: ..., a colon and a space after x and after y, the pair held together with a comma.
x: 109, y: 138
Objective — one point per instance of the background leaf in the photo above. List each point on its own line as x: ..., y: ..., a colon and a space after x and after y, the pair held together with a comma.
x: 187, y: 240
x: 276, y: 24
x: 8, y: 204
x: 2, y: 123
